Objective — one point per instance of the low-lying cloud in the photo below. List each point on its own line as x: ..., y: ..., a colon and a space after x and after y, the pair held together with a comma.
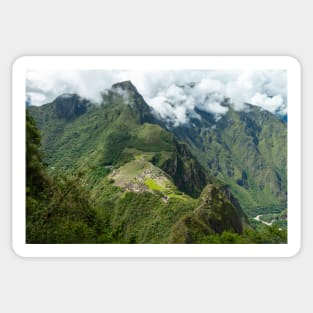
x: 174, y: 95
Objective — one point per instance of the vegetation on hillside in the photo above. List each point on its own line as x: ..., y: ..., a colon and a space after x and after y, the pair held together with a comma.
x: 245, y: 149
x: 58, y: 209
x: 112, y: 173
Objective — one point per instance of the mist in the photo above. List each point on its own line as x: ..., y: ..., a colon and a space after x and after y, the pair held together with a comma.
x: 173, y: 94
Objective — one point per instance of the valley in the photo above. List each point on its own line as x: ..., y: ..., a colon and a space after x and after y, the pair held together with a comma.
x: 147, y: 181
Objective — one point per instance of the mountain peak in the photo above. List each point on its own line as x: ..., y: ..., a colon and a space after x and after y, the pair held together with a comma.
x: 69, y: 105
x: 133, y: 101
x: 126, y: 85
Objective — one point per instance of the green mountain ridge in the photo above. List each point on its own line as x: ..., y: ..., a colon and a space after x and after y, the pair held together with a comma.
x: 143, y: 180
x: 245, y: 149
x: 112, y: 135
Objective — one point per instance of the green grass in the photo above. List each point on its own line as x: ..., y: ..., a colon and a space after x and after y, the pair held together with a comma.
x: 151, y: 184
x: 178, y: 196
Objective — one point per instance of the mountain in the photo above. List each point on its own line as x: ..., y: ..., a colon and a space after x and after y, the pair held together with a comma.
x: 246, y: 149
x: 205, y: 218
x: 113, y: 134
x: 150, y: 183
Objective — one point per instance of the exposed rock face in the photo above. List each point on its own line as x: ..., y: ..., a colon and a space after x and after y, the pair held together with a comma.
x: 125, y: 86
x: 69, y: 106
x: 184, y: 169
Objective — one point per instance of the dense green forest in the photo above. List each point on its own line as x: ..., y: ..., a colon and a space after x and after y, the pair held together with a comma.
x: 114, y: 173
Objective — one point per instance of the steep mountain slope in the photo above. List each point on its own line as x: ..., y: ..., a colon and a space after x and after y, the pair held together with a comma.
x: 113, y: 134
x: 143, y: 178
x: 58, y: 209
x: 215, y: 214
x: 140, y: 179
x: 244, y: 149
x: 247, y: 150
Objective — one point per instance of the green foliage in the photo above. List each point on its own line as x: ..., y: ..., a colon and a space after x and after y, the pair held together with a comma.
x: 141, y: 217
x: 64, y: 214
x: 215, y: 215
x: 36, y: 178
x: 267, y: 235
x: 189, y: 229
x: 192, y: 230
x: 245, y: 149
x: 58, y: 209
x: 105, y: 151
x: 113, y: 134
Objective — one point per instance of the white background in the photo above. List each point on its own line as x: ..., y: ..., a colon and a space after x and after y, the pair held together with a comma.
x: 161, y: 27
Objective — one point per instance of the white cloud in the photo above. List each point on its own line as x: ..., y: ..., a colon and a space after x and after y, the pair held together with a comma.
x: 88, y: 84
x: 164, y: 92
x: 268, y: 103
x: 178, y: 103
x: 35, y: 97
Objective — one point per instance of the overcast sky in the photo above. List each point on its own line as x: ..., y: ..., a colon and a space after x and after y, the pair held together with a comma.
x: 162, y: 89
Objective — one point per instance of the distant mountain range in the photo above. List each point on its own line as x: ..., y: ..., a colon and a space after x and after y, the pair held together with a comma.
x: 158, y: 182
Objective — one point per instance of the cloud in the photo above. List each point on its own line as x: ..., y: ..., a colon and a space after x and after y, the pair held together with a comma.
x: 249, y: 85
x: 174, y: 94
x: 178, y: 103
x: 50, y: 84
x: 268, y: 103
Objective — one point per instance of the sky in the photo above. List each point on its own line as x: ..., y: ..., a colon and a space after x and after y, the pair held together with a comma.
x: 169, y: 92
